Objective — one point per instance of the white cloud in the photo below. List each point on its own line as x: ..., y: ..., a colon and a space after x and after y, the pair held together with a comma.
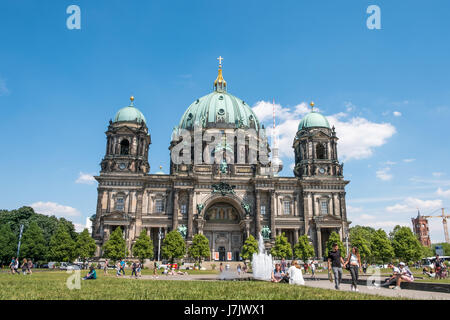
x: 438, y: 174
x: 409, y: 160
x: 366, y: 217
x: 397, y: 113
x: 357, y: 136
x: 353, y: 210
x: 53, y: 208
x: 389, y: 163
x: 411, y: 204
x: 384, y: 174
x: 79, y: 227
x: 443, y: 193
x: 85, y: 178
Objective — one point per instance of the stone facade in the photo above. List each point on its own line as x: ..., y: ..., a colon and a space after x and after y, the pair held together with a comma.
x: 226, y: 201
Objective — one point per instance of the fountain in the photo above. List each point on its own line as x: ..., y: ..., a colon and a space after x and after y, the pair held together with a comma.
x: 262, y: 263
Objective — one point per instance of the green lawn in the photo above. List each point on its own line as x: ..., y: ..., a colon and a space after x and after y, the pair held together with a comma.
x: 52, y: 285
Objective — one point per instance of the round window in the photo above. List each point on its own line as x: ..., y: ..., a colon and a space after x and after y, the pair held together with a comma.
x: 221, y: 111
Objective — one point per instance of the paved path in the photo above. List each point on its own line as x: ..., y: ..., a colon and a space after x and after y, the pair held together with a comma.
x: 408, y: 294
x: 323, y: 283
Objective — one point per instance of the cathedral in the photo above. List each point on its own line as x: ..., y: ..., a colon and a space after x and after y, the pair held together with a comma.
x: 226, y: 190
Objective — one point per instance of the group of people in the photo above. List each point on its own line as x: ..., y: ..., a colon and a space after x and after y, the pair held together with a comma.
x: 291, y: 275
x: 439, y: 271
x: 26, y: 266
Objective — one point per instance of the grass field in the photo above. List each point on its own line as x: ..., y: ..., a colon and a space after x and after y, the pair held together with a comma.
x: 52, y: 285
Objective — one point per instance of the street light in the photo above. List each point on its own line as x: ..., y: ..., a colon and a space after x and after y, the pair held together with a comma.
x: 159, y: 242
x: 125, y: 234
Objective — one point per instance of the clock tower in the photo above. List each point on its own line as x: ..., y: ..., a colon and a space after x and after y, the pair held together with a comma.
x: 127, y: 143
x: 315, y: 147
x: 321, y: 178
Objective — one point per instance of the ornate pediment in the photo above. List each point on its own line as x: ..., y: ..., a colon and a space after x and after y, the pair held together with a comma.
x: 223, y: 188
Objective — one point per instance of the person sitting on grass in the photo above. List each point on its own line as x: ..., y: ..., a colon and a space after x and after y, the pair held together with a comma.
x: 92, y: 275
x: 277, y: 274
x: 427, y: 272
x: 402, y: 273
x: 295, y: 274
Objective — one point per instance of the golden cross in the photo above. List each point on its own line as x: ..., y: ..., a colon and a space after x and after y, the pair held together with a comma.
x: 220, y: 60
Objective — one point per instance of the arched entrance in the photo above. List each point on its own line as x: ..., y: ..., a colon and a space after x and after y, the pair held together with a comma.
x: 223, y: 229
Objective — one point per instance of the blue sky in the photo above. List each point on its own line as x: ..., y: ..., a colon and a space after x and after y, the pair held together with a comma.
x: 386, y: 91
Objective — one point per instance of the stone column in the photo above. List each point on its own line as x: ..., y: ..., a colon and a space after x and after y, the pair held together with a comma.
x: 306, y: 213
x: 296, y: 236
x: 258, y: 214
x: 272, y: 214
x: 175, y: 211
x: 319, y: 242
x: 190, y: 214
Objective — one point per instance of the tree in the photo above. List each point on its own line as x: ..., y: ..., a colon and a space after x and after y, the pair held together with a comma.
x: 334, y: 238
x: 427, y: 252
x: 114, y: 248
x: 405, y: 244
x: 303, y: 249
x: 85, y: 245
x: 143, y: 247
x: 361, y: 240
x: 62, y: 246
x: 199, y: 248
x: 249, y: 248
x: 282, y: 248
x: 8, y: 244
x: 33, y: 244
x: 381, y: 247
x: 173, y: 246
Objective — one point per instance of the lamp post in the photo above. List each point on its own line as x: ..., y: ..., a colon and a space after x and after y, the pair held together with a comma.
x: 159, y: 242
x: 125, y: 234
x: 346, y: 240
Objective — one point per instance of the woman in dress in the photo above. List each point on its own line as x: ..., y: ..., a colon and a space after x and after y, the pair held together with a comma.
x: 295, y: 274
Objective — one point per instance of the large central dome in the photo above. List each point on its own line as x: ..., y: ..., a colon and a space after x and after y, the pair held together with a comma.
x: 219, y: 109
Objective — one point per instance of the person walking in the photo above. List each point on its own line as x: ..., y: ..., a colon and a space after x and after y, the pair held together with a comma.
x: 133, y: 269
x: 12, y: 264
x: 239, y: 270
x: 354, y: 263
x: 16, y: 265
x: 283, y: 265
x: 122, y: 266
x: 313, y: 271
x: 438, y: 267
x: 24, y: 266
x: 29, y: 266
x: 155, y: 268
x: 335, y: 262
x: 105, y: 268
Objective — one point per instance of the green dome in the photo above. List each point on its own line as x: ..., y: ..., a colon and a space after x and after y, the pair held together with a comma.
x: 130, y: 113
x: 219, y: 109
x: 313, y: 119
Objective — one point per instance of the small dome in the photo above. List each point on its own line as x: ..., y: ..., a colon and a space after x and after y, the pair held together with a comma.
x: 314, y: 119
x: 129, y: 113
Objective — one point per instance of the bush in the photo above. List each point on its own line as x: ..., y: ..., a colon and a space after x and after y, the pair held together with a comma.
x: 213, y: 266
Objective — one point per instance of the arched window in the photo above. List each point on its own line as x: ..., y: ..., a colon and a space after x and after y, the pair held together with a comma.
x: 320, y: 151
x: 124, y: 147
